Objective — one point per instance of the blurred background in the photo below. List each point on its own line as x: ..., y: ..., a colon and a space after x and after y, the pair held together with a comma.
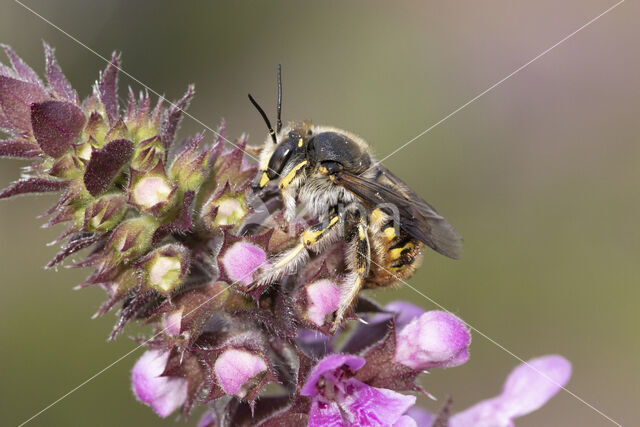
x: 540, y: 176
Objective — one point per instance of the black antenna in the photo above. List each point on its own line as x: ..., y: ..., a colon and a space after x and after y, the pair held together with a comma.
x: 264, y: 117
x: 279, y: 124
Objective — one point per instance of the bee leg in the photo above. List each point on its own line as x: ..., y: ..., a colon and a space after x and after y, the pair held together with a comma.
x: 359, y: 259
x: 314, y: 238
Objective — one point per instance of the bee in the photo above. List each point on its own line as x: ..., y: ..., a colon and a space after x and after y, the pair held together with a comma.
x: 334, y: 176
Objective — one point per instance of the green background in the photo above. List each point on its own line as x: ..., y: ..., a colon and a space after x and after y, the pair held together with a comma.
x: 540, y: 176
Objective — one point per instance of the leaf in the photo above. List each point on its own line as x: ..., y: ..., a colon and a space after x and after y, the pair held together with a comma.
x: 18, y: 149
x: 57, y: 79
x: 16, y: 97
x: 32, y: 185
x: 56, y: 125
x: 108, y: 88
x: 21, y: 68
x: 74, y: 245
x: 105, y: 164
x: 174, y: 116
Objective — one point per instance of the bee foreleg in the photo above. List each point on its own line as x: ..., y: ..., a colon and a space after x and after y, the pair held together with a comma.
x: 359, y: 260
x: 314, y: 238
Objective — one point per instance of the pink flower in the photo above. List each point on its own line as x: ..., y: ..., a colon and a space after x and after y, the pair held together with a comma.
x: 405, y: 312
x: 163, y: 394
x: 436, y: 339
x: 233, y: 368
x: 241, y: 260
x: 323, y: 298
x: 527, y: 388
x: 338, y: 399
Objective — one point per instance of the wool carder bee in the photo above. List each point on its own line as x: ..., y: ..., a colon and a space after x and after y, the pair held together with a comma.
x: 333, y: 175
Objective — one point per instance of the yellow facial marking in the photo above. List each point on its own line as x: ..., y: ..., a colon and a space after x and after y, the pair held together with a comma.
x: 390, y: 233
x: 397, y: 253
x: 264, y: 179
x: 292, y: 174
x: 377, y: 215
x: 300, y: 142
x: 323, y: 170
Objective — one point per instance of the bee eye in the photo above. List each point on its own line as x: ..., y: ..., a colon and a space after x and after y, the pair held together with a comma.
x: 279, y: 158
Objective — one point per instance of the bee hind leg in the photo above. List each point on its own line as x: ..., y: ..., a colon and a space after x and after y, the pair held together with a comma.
x: 359, y: 257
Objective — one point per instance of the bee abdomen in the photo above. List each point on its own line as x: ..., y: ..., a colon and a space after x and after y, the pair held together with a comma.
x: 396, y: 255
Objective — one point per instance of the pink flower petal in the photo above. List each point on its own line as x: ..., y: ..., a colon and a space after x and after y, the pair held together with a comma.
x: 527, y: 388
x: 374, y: 406
x: 407, y: 421
x: 241, y: 260
x: 324, y: 297
x: 328, y: 364
x: 421, y: 416
x: 234, y: 368
x: 163, y: 394
x: 173, y: 322
x: 405, y: 312
x: 531, y: 385
x: 325, y: 414
x: 436, y: 339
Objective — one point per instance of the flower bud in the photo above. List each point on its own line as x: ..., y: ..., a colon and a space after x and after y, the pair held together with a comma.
x: 436, y: 339
x: 106, y: 165
x: 105, y: 213
x: 172, y: 322
x: 242, y: 260
x: 323, y: 298
x: 187, y: 314
x: 235, y: 369
x: 132, y: 238
x: 147, y: 154
x: 190, y: 167
x: 96, y: 127
x: 67, y: 167
x: 225, y: 210
x: 163, y: 393
x: 165, y: 267
x: 117, y: 131
x: 151, y: 191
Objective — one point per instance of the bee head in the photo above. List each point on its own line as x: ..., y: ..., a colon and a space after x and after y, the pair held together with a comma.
x: 286, y: 149
x: 288, y: 154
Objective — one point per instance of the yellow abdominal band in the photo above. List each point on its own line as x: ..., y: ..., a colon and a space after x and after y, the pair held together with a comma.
x: 397, y: 253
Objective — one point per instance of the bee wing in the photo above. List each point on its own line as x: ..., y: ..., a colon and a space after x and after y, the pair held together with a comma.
x: 417, y: 217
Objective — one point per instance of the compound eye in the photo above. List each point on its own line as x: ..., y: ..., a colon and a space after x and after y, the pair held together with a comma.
x: 279, y: 158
